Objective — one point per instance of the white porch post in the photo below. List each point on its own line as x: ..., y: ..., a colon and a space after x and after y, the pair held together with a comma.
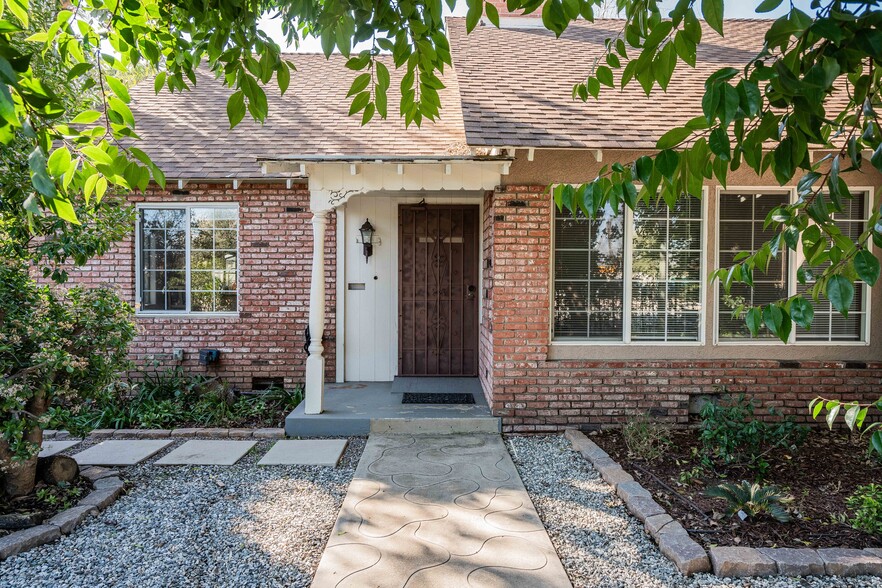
x: 315, y: 363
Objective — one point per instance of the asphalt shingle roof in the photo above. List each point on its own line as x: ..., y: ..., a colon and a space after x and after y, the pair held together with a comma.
x: 510, y: 87
x: 187, y: 134
x: 516, y: 85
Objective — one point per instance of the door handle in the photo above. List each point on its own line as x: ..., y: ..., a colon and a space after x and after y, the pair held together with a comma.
x: 470, y: 292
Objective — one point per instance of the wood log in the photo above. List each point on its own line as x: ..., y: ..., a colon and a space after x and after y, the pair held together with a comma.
x: 57, y: 468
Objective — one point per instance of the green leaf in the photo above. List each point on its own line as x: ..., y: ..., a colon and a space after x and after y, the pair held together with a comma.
x: 876, y: 441
x: 359, y: 84
x: 754, y: 320
x: 236, y: 108
x: 492, y: 14
x: 712, y: 10
x: 768, y: 5
x: 851, y: 416
x: 359, y: 102
x: 666, y: 163
x: 673, y: 138
x: 876, y: 158
x: 817, y: 408
x: 643, y: 168
x: 605, y: 76
x: 118, y: 88
x: 719, y: 143
x: 865, y: 264
x: 840, y: 293
x: 832, y: 413
x: 97, y: 155
x: 159, y: 82
x: 802, y: 312
x: 86, y: 117
x: 383, y: 79
x: 283, y: 77
x: 59, y: 161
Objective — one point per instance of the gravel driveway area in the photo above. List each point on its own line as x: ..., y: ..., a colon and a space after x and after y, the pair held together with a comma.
x: 599, y: 543
x: 236, y: 526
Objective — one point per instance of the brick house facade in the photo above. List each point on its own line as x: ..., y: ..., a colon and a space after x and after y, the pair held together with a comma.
x: 311, y: 170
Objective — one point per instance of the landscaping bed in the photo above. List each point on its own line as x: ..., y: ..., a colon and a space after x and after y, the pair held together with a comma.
x: 819, y: 475
x: 42, y: 504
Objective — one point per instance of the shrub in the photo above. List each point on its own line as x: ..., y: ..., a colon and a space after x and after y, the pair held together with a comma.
x: 645, y: 438
x: 752, y: 500
x: 866, y: 502
x: 731, y: 435
x: 55, y: 347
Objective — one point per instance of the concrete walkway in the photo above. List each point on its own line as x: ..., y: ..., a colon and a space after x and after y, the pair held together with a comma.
x: 429, y: 511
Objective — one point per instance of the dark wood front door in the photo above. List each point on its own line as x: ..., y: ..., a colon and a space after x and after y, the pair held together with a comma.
x: 438, y: 293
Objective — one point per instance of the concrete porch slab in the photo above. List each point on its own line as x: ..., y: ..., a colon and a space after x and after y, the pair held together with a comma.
x: 121, y: 452
x: 404, y: 384
x: 208, y: 453
x: 50, y: 448
x: 323, y: 452
x: 352, y: 407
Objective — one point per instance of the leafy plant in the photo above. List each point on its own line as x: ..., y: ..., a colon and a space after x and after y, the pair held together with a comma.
x: 62, y: 495
x: 752, y: 500
x: 866, y: 502
x: 731, y: 434
x: 854, y: 415
x: 646, y: 438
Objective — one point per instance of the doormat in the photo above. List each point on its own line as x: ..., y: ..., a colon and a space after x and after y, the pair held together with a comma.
x: 414, y: 398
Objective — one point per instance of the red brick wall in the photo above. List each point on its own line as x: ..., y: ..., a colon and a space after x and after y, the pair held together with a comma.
x: 275, y: 261
x: 533, y: 393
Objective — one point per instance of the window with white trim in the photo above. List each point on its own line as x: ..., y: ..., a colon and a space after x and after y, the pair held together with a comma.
x: 742, y: 215
x: 188, y: 259
x: 828, y: 324
x: 629, y: 277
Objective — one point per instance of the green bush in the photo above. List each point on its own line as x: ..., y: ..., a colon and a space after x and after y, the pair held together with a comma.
x: 162, y: 399
x: 866, y: 503
x: 730, y: 434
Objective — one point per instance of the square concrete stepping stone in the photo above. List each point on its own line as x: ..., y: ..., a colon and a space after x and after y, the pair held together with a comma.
x: 207, y: 453
x: 50, y: 448
x: 121, y: 452
x: 324, y: 452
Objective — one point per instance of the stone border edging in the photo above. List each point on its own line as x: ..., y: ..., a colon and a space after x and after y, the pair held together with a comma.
x: 728, y: 562
x: 226, y: 433
x: 108, y: 486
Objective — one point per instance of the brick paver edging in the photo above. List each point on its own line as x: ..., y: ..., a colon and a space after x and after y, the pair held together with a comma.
x: 174, y: 433
x: 691, y: 558
x: 107, y: 488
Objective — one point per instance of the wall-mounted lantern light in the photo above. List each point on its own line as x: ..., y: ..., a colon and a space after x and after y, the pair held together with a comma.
x: 367, y: 238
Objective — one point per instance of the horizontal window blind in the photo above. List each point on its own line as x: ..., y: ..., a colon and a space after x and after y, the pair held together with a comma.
x: 742, y: 216
x: 829, y: 324
x: 657, y: 259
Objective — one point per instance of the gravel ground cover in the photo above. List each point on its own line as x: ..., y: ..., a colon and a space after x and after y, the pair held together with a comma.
x: 214, y: 526
x: 599, y: 543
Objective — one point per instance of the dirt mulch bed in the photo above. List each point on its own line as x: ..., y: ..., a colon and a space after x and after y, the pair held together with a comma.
x: 820, y: 475
x: 40, y: 505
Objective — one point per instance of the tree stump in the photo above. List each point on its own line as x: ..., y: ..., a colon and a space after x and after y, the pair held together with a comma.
x: 57, y: 468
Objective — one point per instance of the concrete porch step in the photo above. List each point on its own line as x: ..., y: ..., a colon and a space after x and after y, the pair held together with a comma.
x: 439, y: 426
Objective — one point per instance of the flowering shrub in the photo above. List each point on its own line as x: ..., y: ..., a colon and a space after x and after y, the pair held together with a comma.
x: 55, y: 345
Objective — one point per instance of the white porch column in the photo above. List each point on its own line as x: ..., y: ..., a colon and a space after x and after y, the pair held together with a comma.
x: 315, y: 363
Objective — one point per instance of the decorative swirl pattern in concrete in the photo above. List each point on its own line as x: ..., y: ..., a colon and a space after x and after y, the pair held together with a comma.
x: 438, y: 511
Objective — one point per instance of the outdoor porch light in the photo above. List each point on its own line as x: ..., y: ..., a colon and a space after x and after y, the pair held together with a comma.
x: 367, y: 238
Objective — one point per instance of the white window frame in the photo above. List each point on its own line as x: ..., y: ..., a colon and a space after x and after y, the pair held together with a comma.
x: 792, y: 281
x: 626, y: 295
x: 187, y: 206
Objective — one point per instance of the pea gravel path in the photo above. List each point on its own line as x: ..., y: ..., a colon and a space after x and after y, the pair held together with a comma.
x: 194, y: 526
x: 599, y: 543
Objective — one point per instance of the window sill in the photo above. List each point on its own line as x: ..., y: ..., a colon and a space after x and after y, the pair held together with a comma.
x: 778, y: 343
x: 187, y: 315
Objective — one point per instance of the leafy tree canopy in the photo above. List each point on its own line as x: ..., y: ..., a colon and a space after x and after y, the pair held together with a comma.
x: 813, y: 87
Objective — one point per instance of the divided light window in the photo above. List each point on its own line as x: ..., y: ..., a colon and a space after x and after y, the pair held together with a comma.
x: 188, y: 259
x: 741, y: 217
x: 629, y: 277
